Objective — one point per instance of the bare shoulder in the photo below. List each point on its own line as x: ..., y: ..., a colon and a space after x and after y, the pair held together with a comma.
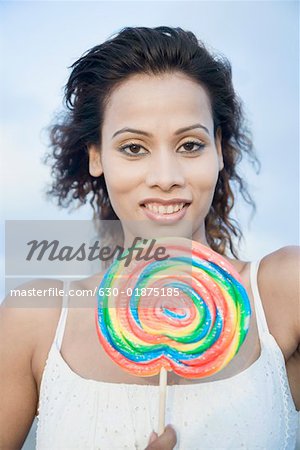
x: 33, y: 308
x: 30, y: 307
x: 33, y: 295
x: 278, y: 281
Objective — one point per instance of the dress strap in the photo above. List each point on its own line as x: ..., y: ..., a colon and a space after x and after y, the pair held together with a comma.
x: 63, y: 316
x: 259, y: 310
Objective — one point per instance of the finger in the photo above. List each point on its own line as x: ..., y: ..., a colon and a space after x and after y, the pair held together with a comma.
x: 153, y: 436
x: 166, y: 441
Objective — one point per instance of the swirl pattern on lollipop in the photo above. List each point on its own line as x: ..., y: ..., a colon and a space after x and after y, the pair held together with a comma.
x: 195, y: 334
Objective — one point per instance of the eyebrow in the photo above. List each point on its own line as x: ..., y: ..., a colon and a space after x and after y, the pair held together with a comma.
x: 144, y: 133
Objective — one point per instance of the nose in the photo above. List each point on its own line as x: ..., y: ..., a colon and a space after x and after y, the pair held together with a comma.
x: 165, y: 171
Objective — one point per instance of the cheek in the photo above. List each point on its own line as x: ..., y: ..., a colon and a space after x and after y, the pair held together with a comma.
x: 120, y: 179
x: 205, y: 174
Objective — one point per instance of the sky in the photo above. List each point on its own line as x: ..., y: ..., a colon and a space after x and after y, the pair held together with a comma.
x: 40, y: 40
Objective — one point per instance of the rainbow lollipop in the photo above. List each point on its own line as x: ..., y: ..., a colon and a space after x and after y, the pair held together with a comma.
x: 194, y: 329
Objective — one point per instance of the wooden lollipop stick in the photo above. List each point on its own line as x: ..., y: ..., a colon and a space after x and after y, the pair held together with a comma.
x: 162, y: 400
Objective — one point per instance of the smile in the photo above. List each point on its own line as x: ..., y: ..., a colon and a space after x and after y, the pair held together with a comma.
x: 165, y: 213
x: 164, y: 209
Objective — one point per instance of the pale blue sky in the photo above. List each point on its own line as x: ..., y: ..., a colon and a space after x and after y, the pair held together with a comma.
x: 39, y: 40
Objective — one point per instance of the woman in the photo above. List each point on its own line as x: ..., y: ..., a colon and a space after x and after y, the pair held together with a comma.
x: 153, y: 135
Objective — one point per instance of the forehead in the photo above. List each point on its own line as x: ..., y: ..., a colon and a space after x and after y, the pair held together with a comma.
x: 155, y: 101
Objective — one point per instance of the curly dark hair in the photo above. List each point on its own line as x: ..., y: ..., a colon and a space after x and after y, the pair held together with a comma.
x: 141, y: 50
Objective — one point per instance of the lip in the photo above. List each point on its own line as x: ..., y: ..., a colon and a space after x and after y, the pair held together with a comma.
x: 165, y: 218
x: 171, y: 201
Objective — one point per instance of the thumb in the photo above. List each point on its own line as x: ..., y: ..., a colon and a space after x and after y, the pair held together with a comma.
x: 168, y: 438
x: 166, y: 441
x: 153, y: 436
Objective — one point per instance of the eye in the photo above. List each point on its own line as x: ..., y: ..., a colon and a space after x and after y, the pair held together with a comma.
x: 192, y: 147
x: 132, y: 150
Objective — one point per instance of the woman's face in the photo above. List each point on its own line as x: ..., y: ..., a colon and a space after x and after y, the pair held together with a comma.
x: 159, y: 157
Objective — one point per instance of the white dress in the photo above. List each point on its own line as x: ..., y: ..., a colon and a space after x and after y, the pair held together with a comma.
x: 251, y: 410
